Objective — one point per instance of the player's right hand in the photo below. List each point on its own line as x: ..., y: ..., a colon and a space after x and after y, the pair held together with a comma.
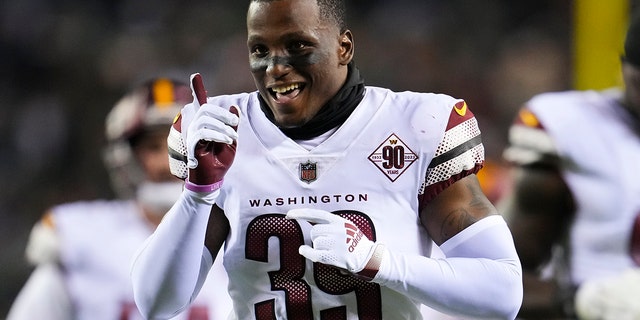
x: 211, y: 144
x: 211, y: 141
x: 208, y: 144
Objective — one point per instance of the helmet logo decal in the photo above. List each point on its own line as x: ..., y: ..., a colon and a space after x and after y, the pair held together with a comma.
x: 163, y: 92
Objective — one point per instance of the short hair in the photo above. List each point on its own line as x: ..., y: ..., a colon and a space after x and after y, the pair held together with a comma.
x: 332, y: 10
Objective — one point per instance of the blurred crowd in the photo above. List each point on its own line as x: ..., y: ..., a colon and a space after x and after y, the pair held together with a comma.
x: 64, y: 63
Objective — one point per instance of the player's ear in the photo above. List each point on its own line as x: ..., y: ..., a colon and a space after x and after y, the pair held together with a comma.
x: 346, y: 47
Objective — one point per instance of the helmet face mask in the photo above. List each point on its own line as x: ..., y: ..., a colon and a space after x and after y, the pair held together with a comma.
x: 148, y: 107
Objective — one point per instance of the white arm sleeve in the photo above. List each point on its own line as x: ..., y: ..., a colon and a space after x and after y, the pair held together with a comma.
x: 481, y: 275
x: 44, y: 296
x: 170, y: 268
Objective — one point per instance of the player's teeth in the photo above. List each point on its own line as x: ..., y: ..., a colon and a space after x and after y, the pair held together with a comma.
x: 285, y: 89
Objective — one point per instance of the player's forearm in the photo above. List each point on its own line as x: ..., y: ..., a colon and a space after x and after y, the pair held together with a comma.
x: 480, y: 277
x: 171, y: 266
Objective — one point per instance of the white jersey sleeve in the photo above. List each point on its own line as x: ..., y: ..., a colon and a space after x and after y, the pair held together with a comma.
x: 459, y: 154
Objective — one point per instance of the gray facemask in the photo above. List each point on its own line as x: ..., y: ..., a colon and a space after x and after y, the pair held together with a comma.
x: 159, y: 197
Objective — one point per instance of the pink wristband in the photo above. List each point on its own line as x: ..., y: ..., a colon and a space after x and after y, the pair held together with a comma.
x: 203, y: 188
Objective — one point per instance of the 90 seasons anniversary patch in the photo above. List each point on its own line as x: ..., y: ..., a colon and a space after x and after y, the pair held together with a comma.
x: 393, y: 157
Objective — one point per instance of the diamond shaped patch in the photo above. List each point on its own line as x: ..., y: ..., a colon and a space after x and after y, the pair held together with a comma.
x: 393, y: 157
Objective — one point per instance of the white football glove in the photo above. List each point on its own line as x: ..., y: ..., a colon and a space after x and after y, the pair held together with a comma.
x: 210, y: 123
x: 184, y: 136
x: 339, y: 242
x: 202, y: 141
x: 610, y: 298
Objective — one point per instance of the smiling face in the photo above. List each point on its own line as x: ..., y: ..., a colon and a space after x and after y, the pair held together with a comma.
x: 298, y: 59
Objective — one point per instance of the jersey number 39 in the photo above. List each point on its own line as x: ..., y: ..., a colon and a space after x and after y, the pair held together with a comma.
x: 289, y: 278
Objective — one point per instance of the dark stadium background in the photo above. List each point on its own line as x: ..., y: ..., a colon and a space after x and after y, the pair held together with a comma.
x: 64, y: 63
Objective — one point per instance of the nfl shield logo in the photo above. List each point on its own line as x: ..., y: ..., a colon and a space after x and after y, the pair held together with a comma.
x: 308, y: 171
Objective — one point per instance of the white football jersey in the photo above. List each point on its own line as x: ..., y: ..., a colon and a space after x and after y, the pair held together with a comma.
x: 97, y: 242
x: 394, y: 153
x: 593, y: 137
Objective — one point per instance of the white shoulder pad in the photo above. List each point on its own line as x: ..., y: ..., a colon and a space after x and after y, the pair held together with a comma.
x: 44, y: 244
x: 529, y: 142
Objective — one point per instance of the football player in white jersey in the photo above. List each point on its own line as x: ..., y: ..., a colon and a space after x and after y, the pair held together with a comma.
x: 325, y: 194
x: 83, y: 250
x: 575, y: 206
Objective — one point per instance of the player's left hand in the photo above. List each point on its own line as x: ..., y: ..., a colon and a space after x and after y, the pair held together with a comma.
x: 338, y: 242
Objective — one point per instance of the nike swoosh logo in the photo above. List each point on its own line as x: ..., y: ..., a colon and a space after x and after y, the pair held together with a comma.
x: 461, y: 108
